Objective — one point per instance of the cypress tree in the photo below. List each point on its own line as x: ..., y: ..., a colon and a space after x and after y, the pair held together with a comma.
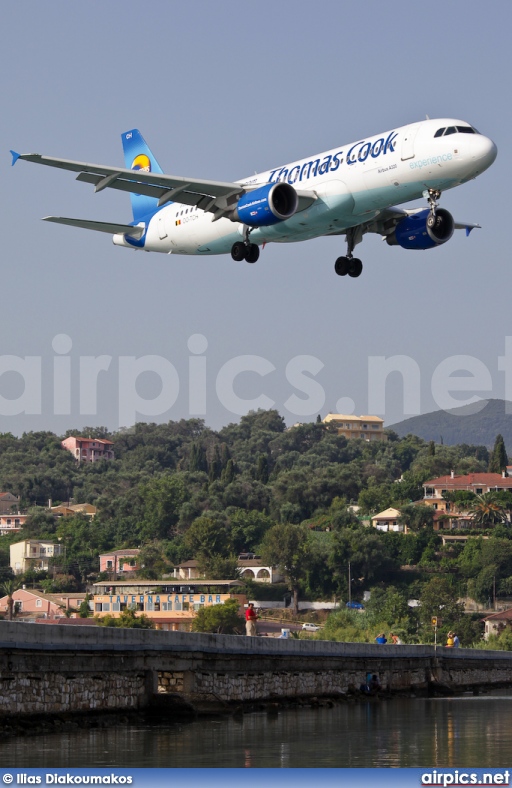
x: 499, y: 460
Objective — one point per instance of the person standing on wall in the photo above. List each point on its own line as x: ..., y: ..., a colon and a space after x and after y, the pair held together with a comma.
x: 250, y: 620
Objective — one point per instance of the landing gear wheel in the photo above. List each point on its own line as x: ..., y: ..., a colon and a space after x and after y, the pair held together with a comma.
x: 341, y: 266
x: 238, y: 251
x: 252, y: 252
x: 431, y: 220
x: 356, y: 267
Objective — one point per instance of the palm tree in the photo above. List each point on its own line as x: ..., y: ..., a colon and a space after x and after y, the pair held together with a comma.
x: 7, y: 588
x: 487, y: 510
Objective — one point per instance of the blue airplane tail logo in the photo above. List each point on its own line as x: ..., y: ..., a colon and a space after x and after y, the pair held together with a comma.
x: 138, y: 156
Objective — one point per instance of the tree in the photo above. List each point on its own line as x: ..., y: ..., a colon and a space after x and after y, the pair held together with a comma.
x: 208, y: 536
x: 218, y: 567
x: 416, y: 517
x: 7, y: 588
x: 223, y: 619
x: 287, y: 547
x: 438, y: 598
x: 487, y: 510
x: 162, y: 498
x: 153, y: 561
x: 84, y: 610
x: 127, y: 619
x: 499, y: 460
x: 247, y: 528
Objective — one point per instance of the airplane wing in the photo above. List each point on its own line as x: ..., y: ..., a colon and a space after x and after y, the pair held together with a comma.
x: 217, y: 197
x: 386, y: 221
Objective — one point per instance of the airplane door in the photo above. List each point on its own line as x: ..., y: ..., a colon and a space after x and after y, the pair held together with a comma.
x: 408, y: 142
x: 162, y: 231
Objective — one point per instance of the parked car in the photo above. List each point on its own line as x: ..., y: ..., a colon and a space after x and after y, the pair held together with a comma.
x: 310, y: 627
x: 355, y: 605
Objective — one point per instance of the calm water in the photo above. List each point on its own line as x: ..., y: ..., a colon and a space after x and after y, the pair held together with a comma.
x: 453, y: 732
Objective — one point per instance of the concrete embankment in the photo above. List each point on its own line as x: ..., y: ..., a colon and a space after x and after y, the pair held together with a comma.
x: 56, y: 670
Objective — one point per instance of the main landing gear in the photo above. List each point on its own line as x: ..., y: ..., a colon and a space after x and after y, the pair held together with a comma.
x: 245, y: 250
x: 349, y: 265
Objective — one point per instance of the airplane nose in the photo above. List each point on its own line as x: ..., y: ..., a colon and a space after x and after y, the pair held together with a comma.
x: 485, y: 151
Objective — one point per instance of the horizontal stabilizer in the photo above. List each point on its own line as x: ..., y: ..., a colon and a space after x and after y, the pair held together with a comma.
x: 102, y: 227
x: 467, y: 227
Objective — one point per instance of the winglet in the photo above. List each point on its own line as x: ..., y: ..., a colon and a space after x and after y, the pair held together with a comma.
x: 15, y: 157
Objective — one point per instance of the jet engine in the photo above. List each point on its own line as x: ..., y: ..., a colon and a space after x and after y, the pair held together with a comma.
x: 270, y: 204
x: 422, y: 231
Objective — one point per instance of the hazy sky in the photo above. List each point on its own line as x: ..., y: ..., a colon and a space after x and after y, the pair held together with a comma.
x: 221, y: 90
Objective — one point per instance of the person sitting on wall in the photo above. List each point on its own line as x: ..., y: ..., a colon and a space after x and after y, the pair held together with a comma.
x: 381, y: 638
x: 250, y: 620
x: 395, y: 639
x: 449, y: 640
x: 372, y: 685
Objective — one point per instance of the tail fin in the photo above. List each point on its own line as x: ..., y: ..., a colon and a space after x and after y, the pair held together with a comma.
x: 137, y: 156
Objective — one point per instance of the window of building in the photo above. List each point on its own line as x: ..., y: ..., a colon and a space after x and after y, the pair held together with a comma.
x: 39, y: 602
x: 479, y: 490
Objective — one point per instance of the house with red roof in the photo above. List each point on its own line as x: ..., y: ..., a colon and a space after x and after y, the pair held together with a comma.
x: 36, y: 604
x: 496, y: 623
x: 89, y: 449
x: 448, y: 515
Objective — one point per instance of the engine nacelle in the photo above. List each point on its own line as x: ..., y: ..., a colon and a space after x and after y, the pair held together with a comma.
x: 267, y: 205
x: 414, y: 231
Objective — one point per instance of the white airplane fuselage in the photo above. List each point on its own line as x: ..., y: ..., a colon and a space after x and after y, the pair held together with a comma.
x: 353, y: 183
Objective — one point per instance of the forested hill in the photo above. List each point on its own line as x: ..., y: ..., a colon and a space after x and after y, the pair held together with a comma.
x: 166, y: 476
x: 462, y: 425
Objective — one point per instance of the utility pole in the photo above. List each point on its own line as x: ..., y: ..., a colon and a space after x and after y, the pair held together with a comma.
x: 349, y: 585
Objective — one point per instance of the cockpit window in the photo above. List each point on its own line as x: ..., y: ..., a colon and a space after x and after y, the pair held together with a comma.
x: 454, y: 129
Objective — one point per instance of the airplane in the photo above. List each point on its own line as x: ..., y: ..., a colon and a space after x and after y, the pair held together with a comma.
x: 349, y: 190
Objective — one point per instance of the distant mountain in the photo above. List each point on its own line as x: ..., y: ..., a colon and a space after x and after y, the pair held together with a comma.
x: 467, y: 424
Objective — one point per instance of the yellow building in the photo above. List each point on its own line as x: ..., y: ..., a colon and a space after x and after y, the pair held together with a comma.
x: 369, y: 428
x: 171, y: 604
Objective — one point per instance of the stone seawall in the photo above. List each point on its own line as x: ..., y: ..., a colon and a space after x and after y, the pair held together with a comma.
x: 55, y: 669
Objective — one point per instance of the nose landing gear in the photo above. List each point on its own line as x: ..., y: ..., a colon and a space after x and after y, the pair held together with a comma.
x: 433, y: 196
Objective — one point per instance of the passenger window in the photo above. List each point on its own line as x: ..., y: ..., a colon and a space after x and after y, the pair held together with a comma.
x: 439, y: 133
